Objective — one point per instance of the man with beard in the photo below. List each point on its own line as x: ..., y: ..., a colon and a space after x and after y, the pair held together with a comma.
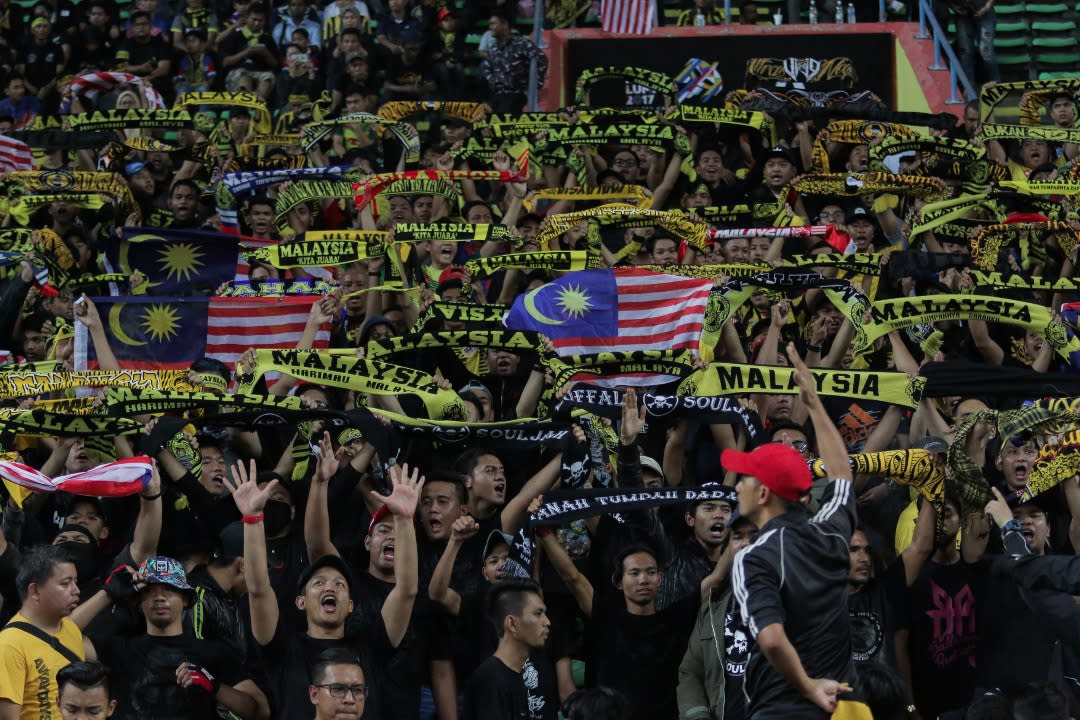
x: 494, y: 692
x: 165, y: 673
x: 477, y: 638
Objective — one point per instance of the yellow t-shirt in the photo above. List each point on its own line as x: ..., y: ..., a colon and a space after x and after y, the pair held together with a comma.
x: 28, y: 668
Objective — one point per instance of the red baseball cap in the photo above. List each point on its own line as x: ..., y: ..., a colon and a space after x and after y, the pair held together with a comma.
x: 776, y: 466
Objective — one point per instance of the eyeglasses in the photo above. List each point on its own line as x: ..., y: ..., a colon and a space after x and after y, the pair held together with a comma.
x: 338, y: 690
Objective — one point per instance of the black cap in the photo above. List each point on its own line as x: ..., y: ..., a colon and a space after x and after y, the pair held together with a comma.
x: 779, y: 152
x: 861, y: 214
x: 230, y: 544
x: 331, y: 561
x: 495, y: 537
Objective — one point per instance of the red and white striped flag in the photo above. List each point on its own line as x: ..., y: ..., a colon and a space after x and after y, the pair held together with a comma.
x: 93, y: 84
x: 235, y: 324
x: 15, y: 156
x: 628, y: 17
x: 115, y: 479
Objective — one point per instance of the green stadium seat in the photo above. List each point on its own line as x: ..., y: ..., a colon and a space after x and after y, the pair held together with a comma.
x: 1044, y: 8
x: 1059, y: 75
x: 1051, y: 42
x: 1045, y: 26
x: 1004, y: 28
x: 1061, y: 58
x: 1014, y: 59
x: 1008, y: 10
x: 1010, y: 42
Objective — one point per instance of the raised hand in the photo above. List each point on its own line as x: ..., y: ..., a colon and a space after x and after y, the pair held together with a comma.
x: 464, y: 528
x: 406, y: 491
x: 250, y: 499
x: 329, y: 461
x: 87, y: 313
x: 633, y: 418
x: 803, y: 378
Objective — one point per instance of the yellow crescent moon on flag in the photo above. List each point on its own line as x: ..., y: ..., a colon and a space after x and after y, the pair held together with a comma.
x: 534, y: 313
x: 117, y: 328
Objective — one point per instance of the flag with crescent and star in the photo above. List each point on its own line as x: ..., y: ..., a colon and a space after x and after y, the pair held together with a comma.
x: 147, y: 332
x: 163, y: 333
x: 174, y: 261
x: 621, y: 309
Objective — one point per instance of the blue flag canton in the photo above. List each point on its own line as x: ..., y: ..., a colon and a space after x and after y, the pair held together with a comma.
x: 579, y: 304
x: 192, y: 262
x: 154, y: 332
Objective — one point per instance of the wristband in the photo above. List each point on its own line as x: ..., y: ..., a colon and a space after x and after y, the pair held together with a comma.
x: 253, y: 519
x: 1011, y: 526
x: 813, y: 348
x: 150, y: 497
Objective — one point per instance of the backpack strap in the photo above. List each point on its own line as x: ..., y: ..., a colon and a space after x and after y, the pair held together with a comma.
x: 46, y: 638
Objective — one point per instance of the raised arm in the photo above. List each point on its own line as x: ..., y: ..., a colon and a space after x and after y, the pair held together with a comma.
x: 579, y: 585
x: 544, y: 480
x: 921, y: 548
x: 86, y: 313
x: 317, y: 515
x: 439, y: 589
x: 397, y: 609
x: 262, y: 602
x: 148, y: 524
x: 840, y: 515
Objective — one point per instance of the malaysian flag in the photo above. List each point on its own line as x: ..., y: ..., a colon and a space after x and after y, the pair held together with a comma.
x: 624, y: 309
x: 93, y: 84
x: 163, y: 333
x: 15, y: 156
x: 235, y: 324
x: 628, y: 17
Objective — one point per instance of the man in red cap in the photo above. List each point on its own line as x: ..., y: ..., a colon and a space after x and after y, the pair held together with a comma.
x: 792, y: 583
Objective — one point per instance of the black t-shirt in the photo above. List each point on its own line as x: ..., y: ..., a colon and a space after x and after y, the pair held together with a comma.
x: 495, y: 692
x: 407, y: 667
x: 144, y: 675
x: 639, y: 655
x: 875, y: 613
x: 855, y: 419
x: 287, y: 557
x: 941, y: 636
x: 289, y: 657
x: 41, y: 60
x: 153, y: 51
x: 240, y: 39
x: 477, y: 640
